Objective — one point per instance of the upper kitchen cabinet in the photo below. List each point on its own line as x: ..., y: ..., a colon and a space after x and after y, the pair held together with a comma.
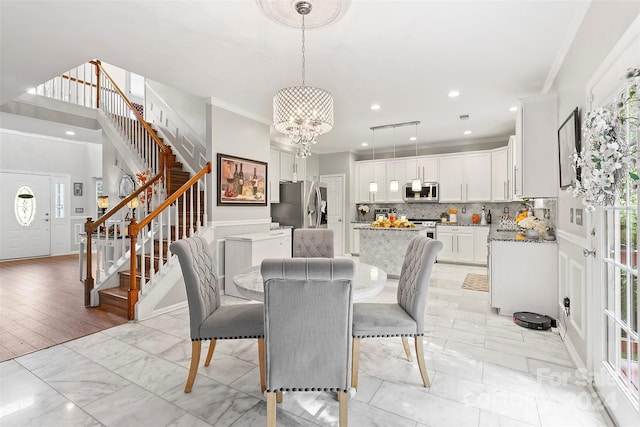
x: 395, y: 170
x: 500, y: 180
x: 274, y: 176
x: 535, y: 163
x: 426, y: 169
x: 367, y: 172
x: 465, y: 178
x: 286, y: 166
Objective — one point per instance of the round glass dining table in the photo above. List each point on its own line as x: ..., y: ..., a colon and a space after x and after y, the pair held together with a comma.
x: 368, y: 281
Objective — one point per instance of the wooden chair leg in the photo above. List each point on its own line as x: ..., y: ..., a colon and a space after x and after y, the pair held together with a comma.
x: 261, y: 363
x: 343, y: 398
x: 271, y: 409
x: 212, y: 347
x: 407, y: 350
x: 421, y: 363
x: 196, y: 346
x: 279, y: 396
x: 355, y: 361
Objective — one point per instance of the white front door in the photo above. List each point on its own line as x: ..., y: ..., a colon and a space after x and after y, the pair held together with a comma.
x: 26, y: 215
x: 335, y: 203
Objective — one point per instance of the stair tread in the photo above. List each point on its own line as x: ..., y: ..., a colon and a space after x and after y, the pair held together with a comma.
x: 115, y: 292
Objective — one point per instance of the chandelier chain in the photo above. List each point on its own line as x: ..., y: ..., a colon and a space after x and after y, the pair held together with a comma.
x: 303, y: 61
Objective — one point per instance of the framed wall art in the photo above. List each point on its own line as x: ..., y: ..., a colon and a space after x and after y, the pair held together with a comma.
x: 241, y: 181
x: 568, y: 143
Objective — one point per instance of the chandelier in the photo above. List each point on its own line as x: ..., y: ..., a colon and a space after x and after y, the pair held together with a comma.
x: 303, y: 112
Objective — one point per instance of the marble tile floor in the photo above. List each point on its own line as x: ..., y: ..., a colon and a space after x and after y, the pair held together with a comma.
x: 484, y: 370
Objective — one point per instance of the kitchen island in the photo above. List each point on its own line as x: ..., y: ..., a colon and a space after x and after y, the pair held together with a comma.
x: 386, y: 247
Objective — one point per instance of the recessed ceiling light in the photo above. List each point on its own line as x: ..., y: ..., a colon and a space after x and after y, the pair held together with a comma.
x: 31, y: 90
x: 513, y: 109
x: 364, y: 144
x: 453, y: 94
x: 70, y: 132
x: 467, y: 132
x: 413, y: 138
x: 375, y: 107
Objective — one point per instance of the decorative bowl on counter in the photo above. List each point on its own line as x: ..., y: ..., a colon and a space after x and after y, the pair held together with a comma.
x: 398, y: 223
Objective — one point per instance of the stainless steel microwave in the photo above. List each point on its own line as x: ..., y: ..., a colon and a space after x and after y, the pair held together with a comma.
x: 429, y: 193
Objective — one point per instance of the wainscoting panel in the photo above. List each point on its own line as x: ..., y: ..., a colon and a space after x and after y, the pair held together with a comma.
x: 577, y: 295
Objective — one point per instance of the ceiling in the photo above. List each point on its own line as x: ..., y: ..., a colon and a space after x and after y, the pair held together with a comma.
x: 404, y: 55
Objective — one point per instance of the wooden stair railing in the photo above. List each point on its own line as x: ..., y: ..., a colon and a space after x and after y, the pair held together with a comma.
x: 189, y: 215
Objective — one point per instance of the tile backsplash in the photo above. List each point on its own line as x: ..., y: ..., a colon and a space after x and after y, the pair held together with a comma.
x: 433, y: 210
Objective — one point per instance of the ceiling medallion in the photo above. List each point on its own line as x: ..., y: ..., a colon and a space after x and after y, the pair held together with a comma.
x: 325, y: 12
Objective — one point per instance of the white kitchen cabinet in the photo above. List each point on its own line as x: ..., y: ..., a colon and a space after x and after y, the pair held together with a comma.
x: 500, y: 182
x: 465, y: 178
x: 367, y: 172
x: 247, y: 250
x: 524, y: 277
x: 396, y: 170
x: 458, y: 244
x: 274, y: 176
x: 427, y: 169
x: 535, y: 167
x: 481, y: 250
x: 286, y: 166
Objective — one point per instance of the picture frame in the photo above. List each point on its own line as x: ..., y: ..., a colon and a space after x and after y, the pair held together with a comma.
x: 77, y: 189
x: 250, y: 189
x: 568, y: 142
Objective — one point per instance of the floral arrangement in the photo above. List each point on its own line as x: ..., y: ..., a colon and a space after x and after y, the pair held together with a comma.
x: 146, y: 196
x: 363, y: 209
x: 607, y: 159
x: 534, y: 223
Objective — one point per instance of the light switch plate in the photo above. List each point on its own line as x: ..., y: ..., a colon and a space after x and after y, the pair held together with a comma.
x: 464, y: 210
x: 505, y: 210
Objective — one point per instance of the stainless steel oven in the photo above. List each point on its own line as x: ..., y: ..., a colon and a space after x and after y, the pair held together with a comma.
x: 430, y: 225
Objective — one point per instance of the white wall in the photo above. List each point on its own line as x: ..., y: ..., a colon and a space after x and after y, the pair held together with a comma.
x: 602, y: 27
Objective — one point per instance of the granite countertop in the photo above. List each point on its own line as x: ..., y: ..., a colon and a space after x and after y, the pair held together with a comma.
x: 458, y: 224
x: 510, y: 236
x: 368, y: 227
x: 281, y: 227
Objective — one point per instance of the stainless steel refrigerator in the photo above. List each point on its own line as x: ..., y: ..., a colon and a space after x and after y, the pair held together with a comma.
x: 303, y: 204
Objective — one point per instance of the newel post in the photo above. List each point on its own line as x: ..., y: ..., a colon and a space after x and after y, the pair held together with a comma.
x: 132, y: 294
x: 97, y: 65
x: 88, y: 281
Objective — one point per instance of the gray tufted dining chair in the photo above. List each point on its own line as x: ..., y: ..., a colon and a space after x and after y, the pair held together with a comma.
x: 209, y: 320
x: 312, y: 243
x: 308, y: 320
x: 405, y: 318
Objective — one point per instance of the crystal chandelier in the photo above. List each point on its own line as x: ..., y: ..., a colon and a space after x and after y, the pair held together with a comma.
x: 303, y: 112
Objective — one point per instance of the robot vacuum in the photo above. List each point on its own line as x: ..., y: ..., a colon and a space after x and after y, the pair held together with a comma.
x: 533, y: 320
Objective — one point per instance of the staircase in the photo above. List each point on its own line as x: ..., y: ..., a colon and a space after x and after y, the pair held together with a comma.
x: 137, y: 237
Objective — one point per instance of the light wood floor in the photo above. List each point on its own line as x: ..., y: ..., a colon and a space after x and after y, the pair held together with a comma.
x: 42, y: 304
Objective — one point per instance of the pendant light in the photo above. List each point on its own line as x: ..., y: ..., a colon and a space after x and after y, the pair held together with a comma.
x: 303, y: 112
x: 416, y: 184
x: 373, y: 185
x: 394, y: 184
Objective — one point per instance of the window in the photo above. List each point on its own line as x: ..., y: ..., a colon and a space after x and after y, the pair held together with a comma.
x: 59, y: 204
x: 25, y: 206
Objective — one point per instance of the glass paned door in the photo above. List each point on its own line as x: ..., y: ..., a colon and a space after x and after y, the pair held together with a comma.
x: 617, y: 377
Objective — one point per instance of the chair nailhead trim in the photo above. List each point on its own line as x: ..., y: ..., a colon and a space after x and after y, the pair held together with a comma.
x: 228, y: 338
x: 332, y: 389
x: 388, y: 335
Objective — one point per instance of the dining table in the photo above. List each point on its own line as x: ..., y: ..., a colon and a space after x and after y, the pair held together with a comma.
x: 368, y: 281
